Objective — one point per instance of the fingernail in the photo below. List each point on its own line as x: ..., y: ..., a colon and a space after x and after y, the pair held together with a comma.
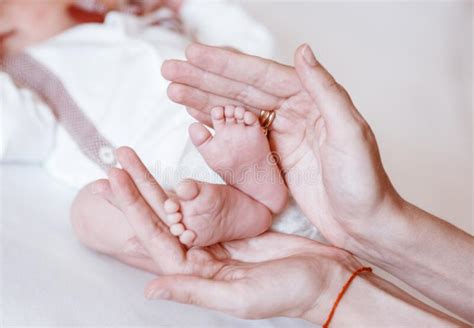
x: 161, y: 294
x: 309, y: 57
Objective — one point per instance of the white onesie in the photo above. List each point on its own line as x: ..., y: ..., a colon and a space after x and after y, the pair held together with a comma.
x: 112, y: 72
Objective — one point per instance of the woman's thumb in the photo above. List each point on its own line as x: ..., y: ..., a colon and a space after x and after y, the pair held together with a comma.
x: 331, y: 99
x: 212, y: 294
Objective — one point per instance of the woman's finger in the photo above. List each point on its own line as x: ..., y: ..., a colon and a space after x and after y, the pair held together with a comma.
x: 212, y: 294
x: 269, y: 76
x: 147, y: 185
x: 201, y: 100
x: 154, y: 235
x: 186, y: 73
x: 332, y: 100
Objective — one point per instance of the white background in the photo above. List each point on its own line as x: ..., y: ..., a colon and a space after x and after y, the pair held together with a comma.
x: 408, y: 67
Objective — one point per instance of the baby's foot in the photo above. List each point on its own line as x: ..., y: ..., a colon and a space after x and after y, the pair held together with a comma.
x: 240, y: 153
x: 204, y: 214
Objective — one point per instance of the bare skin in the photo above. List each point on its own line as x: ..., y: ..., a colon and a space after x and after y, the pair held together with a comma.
x: 266, y: 276
x: 240, y: 153
x: 348, y: 196
x: 24, y: 22
x: 210, y: 213
x: 204, y: 214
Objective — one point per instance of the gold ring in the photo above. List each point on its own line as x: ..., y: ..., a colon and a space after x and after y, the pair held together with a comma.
x: 266, y: 119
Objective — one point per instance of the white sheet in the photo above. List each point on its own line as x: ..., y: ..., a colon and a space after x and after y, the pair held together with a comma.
x: 50, y: 279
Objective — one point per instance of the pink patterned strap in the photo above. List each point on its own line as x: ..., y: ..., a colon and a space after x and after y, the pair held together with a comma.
x: 29, y: 73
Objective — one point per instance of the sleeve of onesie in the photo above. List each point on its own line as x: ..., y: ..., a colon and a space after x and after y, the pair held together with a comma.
x: 227, y: 24
x: 27, y: 126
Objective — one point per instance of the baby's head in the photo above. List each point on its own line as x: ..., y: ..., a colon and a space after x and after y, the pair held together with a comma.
x: 25, y: 22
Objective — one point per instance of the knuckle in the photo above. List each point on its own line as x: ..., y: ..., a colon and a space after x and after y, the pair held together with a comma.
x: 205, y: 81
x: 243, y: 94
x: 221, y: 69
x: 261, y: 78
x: 206, y: 103
x: 146, y: 181
x: 186, y: 298
x: 330, y: 85
x: 365, y: 132
x: 132, y: 200
x: 361, y: 131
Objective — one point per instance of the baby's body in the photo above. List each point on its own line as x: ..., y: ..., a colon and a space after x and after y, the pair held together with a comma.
x: 112, y: 71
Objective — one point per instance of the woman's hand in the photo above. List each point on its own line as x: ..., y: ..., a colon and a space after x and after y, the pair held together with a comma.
x: 261, y: 277
x: 266, y: 276
x: 332, y: 166
x: 327, y: 151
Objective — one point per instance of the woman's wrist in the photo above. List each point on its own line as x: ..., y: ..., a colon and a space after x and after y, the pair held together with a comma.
x: 380, y: 239
x: 422, y: 250
x: 372, y: 301
x: 342, y: 266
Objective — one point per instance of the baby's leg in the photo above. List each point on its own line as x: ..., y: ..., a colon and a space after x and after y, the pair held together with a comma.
x: 240, y: 153
x: 101, y: 226
x: 204, y: 214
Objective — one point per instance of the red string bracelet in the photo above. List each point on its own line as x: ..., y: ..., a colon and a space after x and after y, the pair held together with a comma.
x: 341, y: 293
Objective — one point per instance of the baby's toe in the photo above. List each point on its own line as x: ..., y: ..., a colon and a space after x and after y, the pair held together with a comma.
x: 171, y: 206
x: 187, y: 190
x: 199, y: 134
x: 177, y: 229
x: 217, y: 115
x: 229, y: 112
x: 173, y: 218
x: 250, y: 118
x: 187, y: 237
x: 239, y: 114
